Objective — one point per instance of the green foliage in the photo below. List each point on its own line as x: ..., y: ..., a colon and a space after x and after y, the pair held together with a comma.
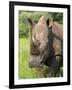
x: 57, y: 17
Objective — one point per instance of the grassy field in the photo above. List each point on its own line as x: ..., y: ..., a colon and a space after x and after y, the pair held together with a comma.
x: 24, y: 54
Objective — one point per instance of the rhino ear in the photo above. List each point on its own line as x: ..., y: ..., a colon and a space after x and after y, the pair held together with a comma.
x: 31, y: 22
x: 49, y: 22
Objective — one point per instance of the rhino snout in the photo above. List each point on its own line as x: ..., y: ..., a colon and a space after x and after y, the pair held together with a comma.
x: 36, y: 62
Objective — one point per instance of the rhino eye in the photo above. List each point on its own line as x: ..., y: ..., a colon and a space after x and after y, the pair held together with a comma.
x: 38, y: 42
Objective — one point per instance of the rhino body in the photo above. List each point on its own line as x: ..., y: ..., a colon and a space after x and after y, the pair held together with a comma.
x: 46, y: 45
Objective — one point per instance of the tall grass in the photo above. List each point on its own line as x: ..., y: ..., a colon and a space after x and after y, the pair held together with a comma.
x: 24, y: 55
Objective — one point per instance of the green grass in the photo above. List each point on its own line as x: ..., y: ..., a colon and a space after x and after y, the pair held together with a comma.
x: 24, y: 54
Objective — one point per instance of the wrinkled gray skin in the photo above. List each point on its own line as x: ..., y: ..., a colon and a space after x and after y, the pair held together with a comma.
x: 46, y: 42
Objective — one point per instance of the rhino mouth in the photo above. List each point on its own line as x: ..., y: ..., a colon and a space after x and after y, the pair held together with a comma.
x: 36, y: 61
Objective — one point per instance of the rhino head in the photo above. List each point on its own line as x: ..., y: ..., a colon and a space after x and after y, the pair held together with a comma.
x: 38, y: 41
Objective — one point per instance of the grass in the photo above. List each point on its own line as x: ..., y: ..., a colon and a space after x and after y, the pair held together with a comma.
x: 24, y: 54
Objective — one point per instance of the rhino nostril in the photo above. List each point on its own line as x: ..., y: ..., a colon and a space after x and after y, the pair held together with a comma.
x: 41, y: 62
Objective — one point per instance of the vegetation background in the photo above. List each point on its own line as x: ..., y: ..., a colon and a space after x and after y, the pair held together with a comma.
x: 24, y: 42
